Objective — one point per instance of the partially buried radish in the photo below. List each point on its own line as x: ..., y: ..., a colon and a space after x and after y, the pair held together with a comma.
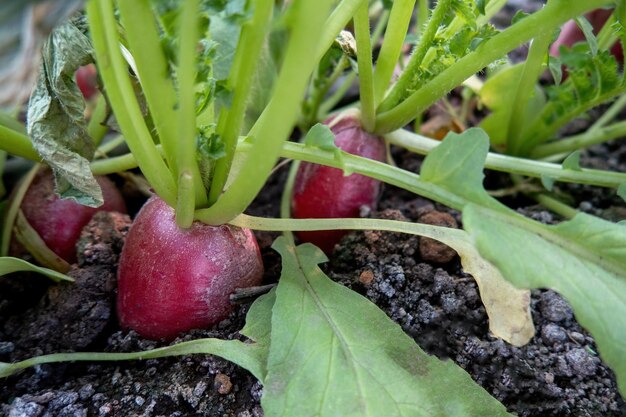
x: 87, y: 80
x: 171, y: 280
x: 325, y: 192
x: 60, y: 221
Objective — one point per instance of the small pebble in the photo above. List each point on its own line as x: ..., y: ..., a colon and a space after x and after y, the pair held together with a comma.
x: 430, y: 249
x: 366, y: 277
x: 223, y: 384
x: 553, y: 334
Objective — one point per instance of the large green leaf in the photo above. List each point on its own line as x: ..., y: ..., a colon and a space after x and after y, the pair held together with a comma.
x: 499, y: 94
x: 9, y: 265
x: 583, y: 259
x: 334, y: 353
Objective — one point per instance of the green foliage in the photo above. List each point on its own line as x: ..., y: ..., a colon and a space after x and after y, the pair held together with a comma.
x: 592, y: 79
x: 56, y: 124
x: 583, y: 259
x: 499, y: 94
x: 447, y: 48
x: 332, y: 352
x: 9, y: 265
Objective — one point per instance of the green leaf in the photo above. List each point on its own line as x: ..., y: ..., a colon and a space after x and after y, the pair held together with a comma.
x: 457, y: 165
x: 9, y: 265
x: 587, y: 29
x: 547, y: 182
x: 556, y: 69
x: 56, y: 123
x: 499, y: 93
x: 621, y: 191
x: 572, y: 161
x: 583, y: 259
x: 333, y: 353
x: 320, y: 136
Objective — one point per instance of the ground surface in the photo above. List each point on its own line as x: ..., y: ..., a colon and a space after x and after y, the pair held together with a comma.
x: 419, y: 285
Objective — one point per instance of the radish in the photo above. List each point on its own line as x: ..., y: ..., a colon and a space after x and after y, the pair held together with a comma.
x: 87, y: 80
x: 171, y: 280
x: 325, y: 192
x: 60, y: 221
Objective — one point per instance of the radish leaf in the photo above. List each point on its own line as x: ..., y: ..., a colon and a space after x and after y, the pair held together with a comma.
x: 9, y: 265
x: 56, y: 122
x: 584, y: 259
x: 333, y: 352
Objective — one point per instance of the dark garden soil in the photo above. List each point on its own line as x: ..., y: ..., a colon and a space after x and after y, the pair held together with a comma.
x: 420, y: 285
x: 417, y: 282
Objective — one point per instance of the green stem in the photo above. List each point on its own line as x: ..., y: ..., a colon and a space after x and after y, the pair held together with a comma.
x: 423, y: 11
x: 339, y: 93
x: 364, y: 60
x: 110, y: 145
x: 446, y: 235
x: 607, y: 35
x: 407, y: 180
x: 227, y: 349
x: 114, y: 73
x: 402, y: 87
x: 276, y: 122
x: 374, y: 169
x: 580, y: 141
x: 399, y: 19
x: 186, y: 200
x: 286, y: 198
x: 116, y: 164
x: 17, y: 143
x: 525, y: 89
x: 539, y: 132
x: 318, y: 95
x: 12, y: 209
x: 185, y: 144
x: 153, y: 72
x: 10, y: 122
x: 513, y: 165
x: 555, y: 205
x: 97, y: 127
x: 335, y: 23
x: 240, y: 80
x: 610, y: 114
x: 544, y: 21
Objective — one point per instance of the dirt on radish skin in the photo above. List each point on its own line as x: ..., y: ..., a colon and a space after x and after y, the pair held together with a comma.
x: 171, y: 280
x: 60, y: 221
x: 325, y: 192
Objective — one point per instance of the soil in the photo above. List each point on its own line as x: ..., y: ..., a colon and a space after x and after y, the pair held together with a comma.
x: 417, y: 282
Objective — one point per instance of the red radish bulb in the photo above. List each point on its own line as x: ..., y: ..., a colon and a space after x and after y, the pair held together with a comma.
x: 171, y: 280
x: 59, y: 221
x: 325, y: 192
x: 87, y: 80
